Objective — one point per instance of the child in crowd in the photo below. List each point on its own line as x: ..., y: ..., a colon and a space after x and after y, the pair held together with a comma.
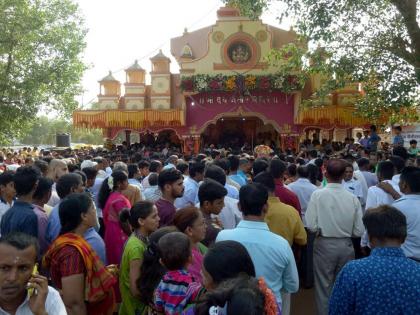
x: 413, y: 150
x: 177, y: 287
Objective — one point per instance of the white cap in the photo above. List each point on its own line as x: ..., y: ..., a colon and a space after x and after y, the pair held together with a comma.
x: 87, y: 163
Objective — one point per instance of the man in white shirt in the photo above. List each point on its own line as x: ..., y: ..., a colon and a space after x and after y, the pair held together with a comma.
x: 18, y: 255
x: 351, y: 184
x: 190, y: 196
x: 230, y: 214
x: 364, y: 167
x: 336, y: 215
x: 303, y: 189
x: 377, y: 196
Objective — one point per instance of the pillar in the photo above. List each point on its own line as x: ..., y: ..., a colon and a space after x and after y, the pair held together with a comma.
x: 127, y: 137
x: 331, y: 134
x: 196, y: 144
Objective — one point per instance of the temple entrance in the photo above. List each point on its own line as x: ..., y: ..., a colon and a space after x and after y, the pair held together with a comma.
x: 239, y: 132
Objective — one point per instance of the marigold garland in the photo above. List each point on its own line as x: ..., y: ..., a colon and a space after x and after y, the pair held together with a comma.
x: 219, y: 82
x: 270, y: 307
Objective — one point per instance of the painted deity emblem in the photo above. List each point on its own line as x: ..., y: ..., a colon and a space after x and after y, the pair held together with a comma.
x: 239, y: 53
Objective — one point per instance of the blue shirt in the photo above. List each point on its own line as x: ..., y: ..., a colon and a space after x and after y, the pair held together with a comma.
x: 271, y: 254
x: 409, y: 205
x: 386, y: 282
x: 190, y: 196
x: 238, y: 178
x: 20, y: 218
x: 398, y: 140
x: 97, y: 243
x: 232, y: 191
x: 53, y: 226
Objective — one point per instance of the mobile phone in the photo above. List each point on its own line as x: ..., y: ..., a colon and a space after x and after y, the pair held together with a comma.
x: 34, y: 272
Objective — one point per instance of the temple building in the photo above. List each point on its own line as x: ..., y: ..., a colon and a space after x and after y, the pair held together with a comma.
x: 226, y: 93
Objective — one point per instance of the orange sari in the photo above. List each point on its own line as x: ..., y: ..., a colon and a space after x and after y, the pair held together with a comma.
x: 98, y: 280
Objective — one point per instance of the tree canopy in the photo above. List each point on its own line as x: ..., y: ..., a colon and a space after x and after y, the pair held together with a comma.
x: 41, y: 42
x: 376, y: 42
x: 43, y: 132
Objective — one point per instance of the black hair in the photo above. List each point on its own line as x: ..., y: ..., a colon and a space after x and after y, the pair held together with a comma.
x: 105, y: 191
x: 210, y: 190
x: 336, y: 168
x: 386, y: 169
x: 20, y: 241
x: 313, y: 154
x: 154, y: 166
x: 260, y: 165
x: 277, y: 168
x: 182, y: 167
x: 168, y: 176
x: 214, y: 153
x: 401, y: 152
x: 90, y: 172
x: 398, y: 162
x: 362, y: 162
x: 241, y: 295
x: 140, y: 210
x: 266, y: 179
x: 71, y: 209
x: 132, y: 169
x: 44, y: 187
x: 66, y: 183
x: 385, y: 222
x: 233, y: 162
x: 413, y: 141
x: 397, y: 128
x: 252, y: 198
x: 6, y: 177
x: 73, y: 168
x: 303, y: 171
x: 292, y: 170
x: 143, y: 164
x: 411, y: 176
x: 216, y: 173
x: 25, y: 179
x: 223, y: 163
x: 196, y: 167
x: 175, y: 250
x: 83, y: 175
x: 153, y: 179
x: 373, y: 127
x: 228, y: 259
x: 152, y: 271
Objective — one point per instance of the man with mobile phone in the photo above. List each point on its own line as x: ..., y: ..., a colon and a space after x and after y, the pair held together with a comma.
x: 18, y: 256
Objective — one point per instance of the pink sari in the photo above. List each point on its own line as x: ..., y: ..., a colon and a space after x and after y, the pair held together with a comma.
x: 114, y: 237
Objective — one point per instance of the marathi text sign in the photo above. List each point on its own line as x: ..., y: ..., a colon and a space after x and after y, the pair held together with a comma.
x: 409, y: 133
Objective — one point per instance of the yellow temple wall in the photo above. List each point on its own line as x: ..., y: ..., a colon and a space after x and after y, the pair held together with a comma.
x: 161, y: 84
x: 222, y: 32
x: 161, y: 102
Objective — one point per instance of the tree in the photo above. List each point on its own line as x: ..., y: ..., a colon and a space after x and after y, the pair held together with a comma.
x: 376, y: 42
x: 43, y: 132
x: 41, y: 42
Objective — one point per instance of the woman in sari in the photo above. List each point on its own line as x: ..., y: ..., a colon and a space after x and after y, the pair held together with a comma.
x: 190, y: 221
x: 143, y: 218
x: 112, y: 202
x: 84, y: 282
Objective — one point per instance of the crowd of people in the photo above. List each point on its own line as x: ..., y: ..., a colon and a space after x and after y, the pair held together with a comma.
x: 96, y: 231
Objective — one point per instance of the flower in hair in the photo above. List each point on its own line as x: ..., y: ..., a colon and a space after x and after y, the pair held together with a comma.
x: 110, y: 182
x: 270, y: 306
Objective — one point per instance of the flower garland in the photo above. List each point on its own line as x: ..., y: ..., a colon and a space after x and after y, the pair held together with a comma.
x: 227, y: 83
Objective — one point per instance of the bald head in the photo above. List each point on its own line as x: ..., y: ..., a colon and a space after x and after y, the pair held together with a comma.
x: 335, y: 170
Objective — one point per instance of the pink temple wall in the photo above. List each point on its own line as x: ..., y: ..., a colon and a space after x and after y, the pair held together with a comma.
x: 274, y: 106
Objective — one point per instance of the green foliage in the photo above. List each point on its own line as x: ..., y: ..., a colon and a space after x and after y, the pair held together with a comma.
x: 361, y: 39
x: 250, y: 8
x: 44, y: 130
x: 41, y: 42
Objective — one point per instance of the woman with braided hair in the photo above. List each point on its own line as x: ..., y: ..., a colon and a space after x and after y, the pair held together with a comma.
x: 144, y: 220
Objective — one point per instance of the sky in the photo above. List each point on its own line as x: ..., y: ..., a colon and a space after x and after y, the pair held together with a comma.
x: 122, y: 31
